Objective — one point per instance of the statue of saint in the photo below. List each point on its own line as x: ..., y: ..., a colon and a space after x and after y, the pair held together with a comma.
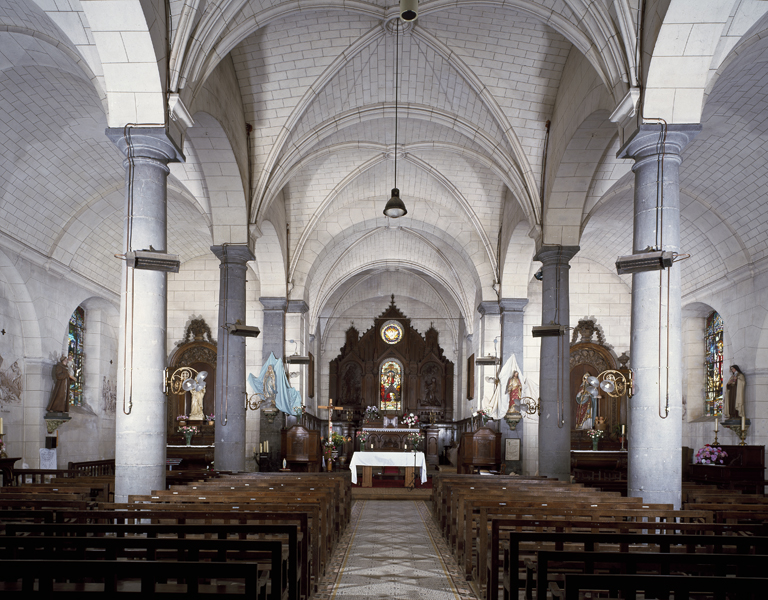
x: 270, y: 385
x: 584, y: 408
x: 196, y: 414
x: 430, y: 397
x: 514, y: 391
x: 735, y: 387
x: 60, y: 395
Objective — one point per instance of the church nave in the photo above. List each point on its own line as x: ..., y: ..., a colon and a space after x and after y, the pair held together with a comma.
x: 392, y: 549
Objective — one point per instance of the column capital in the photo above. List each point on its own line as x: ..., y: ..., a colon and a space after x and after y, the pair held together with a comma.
x: 233, y: 253
x: 145, y: 142
x: 273, y: 303
x: 489, y: 308
x: 553, y: 255
x: 297, y: 306
x: 513, y: 304
x: 651, y: 140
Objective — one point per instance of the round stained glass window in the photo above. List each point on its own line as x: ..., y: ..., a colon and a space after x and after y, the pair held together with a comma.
x: 391, y: 332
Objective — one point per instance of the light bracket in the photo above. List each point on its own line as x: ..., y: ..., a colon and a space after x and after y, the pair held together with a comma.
x: 644, y: 261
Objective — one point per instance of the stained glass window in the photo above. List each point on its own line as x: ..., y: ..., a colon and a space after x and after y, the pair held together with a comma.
x: 391, y: 385
x: 392, y: 332
x: 75, y: 351
x: 713, y: 363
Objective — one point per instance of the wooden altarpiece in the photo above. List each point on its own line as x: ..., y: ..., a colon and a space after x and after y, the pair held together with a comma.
x: 427, y: 378
x: 588, y: 356
x: 196, y: 350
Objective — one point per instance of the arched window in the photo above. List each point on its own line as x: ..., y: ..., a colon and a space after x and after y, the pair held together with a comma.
x: 391, y: 384
x: 713, y: 363
x: 75, y: 351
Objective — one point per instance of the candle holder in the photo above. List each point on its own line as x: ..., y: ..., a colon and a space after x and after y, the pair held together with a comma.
x: 739, y: 427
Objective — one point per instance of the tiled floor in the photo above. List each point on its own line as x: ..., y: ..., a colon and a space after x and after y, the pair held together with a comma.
x: 392, y: 549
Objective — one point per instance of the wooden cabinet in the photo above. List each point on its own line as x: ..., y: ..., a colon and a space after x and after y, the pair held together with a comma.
x: 744, y: 469
x: 479, y: 449
x: 300, y: 447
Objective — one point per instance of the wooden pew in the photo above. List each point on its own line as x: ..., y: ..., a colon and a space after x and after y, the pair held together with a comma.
x: 514, y: 557
x: 156, y: 540
x: 651, y: 563
x: 110, y: 578
x: 746, y: 588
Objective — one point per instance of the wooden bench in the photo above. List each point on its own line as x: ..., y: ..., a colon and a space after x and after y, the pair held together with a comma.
x: 744, y: 588
x: 651, y: 563
x: 105, y: 579
x: 587, y: 541
x: 150, y: 541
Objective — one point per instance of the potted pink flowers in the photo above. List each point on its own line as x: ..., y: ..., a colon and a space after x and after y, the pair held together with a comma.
x: 710, y: 455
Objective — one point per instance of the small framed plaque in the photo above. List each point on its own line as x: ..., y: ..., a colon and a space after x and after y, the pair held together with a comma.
x: 512, y: 450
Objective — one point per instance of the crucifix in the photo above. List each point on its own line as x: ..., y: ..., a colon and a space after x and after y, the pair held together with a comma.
x: 330, y: 408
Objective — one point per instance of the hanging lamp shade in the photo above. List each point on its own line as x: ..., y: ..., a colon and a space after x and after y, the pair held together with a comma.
x: 395, y: 207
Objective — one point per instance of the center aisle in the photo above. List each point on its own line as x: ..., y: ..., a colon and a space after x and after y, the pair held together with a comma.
x: 393, y: 550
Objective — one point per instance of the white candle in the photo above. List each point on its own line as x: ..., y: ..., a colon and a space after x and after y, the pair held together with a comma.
x: 371, y: 445
x: 1, y: 426
x: 261, y: 447
x: 716, y: 423
x: 266, y: 446
x: 743, y: 422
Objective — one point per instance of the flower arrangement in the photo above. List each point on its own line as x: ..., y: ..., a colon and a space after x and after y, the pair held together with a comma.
x: 410, y: 420
x: 182, y: 418
x: 188, y: 430
x: 710, y: 455
x: 363, y: 436
x: 371, y: 413
x: 211, y: 417
x: 335, y: 441
x: 595, y: 434
x: 483, y: 415
x: 413, y: 440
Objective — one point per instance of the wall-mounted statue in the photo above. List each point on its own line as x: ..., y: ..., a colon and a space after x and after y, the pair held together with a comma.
x: 60, y: 395
x: 735, y: 387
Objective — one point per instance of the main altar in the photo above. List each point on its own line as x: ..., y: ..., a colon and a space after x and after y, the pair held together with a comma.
x: 409, y: 460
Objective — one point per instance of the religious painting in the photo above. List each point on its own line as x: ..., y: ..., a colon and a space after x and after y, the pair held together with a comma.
x: 431, y: 385
x: 391, y: 380
x: 713, y: 363
x: 392, y: 332
x: 471, y: 377
x: 311, y: 377
x: 351, y: 378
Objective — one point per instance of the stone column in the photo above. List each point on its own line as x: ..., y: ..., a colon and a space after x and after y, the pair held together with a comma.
x: 554, y: 378
x: 273, y: 340
x: 511, y: 344
x: 140, y: 429
x: 229, y: 454
x: 655, y: 411
x: 490, y: 329
x: 512, y: 312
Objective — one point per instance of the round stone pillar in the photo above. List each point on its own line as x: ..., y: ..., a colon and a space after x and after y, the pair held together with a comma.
x: 655, y: 410
x: 229, y: 454
x: 140, y: 428
x: 554, y: 376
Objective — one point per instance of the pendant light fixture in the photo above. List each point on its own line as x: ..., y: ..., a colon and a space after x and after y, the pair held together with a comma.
x: 395, y: 207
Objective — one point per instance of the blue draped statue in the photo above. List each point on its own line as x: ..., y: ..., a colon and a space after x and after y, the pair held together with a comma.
x: 272, y: 385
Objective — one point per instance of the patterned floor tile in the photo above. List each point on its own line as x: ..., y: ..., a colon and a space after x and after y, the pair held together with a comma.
x: 392, y: 549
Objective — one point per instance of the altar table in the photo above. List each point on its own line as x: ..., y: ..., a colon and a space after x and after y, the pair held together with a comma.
x: 368, y: 460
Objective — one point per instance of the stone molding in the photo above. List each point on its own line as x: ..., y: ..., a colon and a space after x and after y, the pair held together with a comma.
x: 297, y: 306
x: 146, y: 142
x: 489, y: 308
x: 645, y: 143
x: 513, y: 304
x: 274, y: 303
x: 230, y: 254
x: 556, y: 255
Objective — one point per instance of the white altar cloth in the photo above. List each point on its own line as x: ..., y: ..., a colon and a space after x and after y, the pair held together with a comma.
x: 388, y: 459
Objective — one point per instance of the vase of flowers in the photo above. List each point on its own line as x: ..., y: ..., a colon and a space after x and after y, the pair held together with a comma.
x: 412, y: 441
x: 711, y: 455
x: 595, y: 435
x: 482, y: 417
x: 363, y: 437
x: 371, y: 414
x: 211, y: 419
x: 410, y: 420
x: 182, y: 420
x: 188, y: 431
